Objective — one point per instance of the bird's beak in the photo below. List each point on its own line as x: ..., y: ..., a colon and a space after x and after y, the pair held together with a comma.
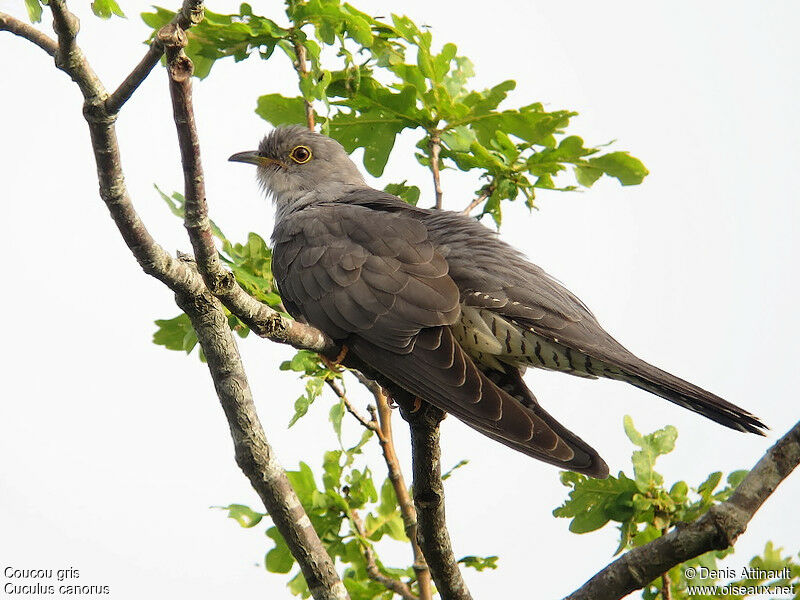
x: 253, y: 157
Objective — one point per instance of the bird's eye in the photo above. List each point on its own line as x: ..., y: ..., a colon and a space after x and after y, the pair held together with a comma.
x: 300, y: 154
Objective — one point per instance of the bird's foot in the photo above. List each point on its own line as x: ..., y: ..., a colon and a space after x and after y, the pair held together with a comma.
x: 334, y: 365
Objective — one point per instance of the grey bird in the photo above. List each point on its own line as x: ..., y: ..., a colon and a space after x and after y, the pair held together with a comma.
x: 439, y: 305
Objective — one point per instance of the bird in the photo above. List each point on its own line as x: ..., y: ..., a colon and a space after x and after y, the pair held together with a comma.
x: 439, y: 305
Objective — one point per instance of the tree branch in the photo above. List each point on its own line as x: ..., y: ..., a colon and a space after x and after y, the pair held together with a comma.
x: 23, y: 30
x: 191, y: 13
x: 153, y: 259
x: 435, y: 146
x: 715, y: 530
x: 69, y: 57
x: 259, y: 317
x: 429, y: 501
x: 266, y: 476
x: 253, y: 453
x: 373, y: 571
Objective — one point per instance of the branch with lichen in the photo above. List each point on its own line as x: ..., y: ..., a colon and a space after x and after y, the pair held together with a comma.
x: 284, y: 508
x: 253, y: 453
x: 717, y: 529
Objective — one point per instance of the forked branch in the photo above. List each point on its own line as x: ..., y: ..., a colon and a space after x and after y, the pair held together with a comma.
x: 253, y: 452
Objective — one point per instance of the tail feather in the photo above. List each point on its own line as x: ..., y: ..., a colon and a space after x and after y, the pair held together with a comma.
x: 652, y: 379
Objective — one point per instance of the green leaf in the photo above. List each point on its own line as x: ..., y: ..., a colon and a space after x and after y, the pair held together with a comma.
x: 707, y: 488
x: 479, y: 563
x: 279, y: 559
x: 303, y: 483
x: 332, y: 470
x: 105, y: 8
x: 630, y: 430
x: 456, y: 466
x: 297, y: 585
x: 407, y: 193
x: 388, y: 504
x: 736, y: 477
x: 302, y: 404
x: 587, y: 175
x: 361, y: 488
x: 306, y: 362
x: 279, y: 110
x: 34, y: 8
x: 593, y: 518
x: 175, y: 334
x: 593, y: 502
x: 336, y: 415
x: 244, y: 515
x: 374, y: 130
x: 621, y: 165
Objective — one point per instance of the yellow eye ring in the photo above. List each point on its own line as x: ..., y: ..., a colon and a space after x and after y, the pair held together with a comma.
x: 300, y: 154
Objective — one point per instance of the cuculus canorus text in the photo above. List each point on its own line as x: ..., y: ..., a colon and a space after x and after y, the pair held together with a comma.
x: 439, y: 305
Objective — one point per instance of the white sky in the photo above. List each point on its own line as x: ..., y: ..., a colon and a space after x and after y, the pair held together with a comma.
x: 114, y: 449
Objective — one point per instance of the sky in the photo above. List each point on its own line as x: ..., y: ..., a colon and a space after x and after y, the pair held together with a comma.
x: 115, y: 449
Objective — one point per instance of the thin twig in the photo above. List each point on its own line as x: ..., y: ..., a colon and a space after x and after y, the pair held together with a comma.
x: 366, y: 423
x: 23, y: 30
x: 717, y: 529
x: 485, y: 193
x: 302, y: 71
x: 435, y: 146
x: 373, y: 571
x: 429, y: 501
x: 279, y: 497
x: 191, y: 13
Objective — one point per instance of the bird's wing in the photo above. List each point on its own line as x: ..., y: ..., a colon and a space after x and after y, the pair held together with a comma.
x: 374, y: 280
x: 440, y: 372
x: 350, y: 270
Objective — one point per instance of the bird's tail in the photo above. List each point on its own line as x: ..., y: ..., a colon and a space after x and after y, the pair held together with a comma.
x: 652, y: 379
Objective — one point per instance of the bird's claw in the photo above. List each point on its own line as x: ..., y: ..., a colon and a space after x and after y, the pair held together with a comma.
x: 335, y: 364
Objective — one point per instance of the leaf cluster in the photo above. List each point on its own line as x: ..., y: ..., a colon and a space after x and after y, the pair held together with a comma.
x: 645, y: 509
x: 388, y: 77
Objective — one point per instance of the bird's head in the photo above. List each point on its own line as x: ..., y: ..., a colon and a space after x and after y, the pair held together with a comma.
x: 291, y: 161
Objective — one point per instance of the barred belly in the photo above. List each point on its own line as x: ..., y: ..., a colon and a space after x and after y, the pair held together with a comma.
x: 493, y: 341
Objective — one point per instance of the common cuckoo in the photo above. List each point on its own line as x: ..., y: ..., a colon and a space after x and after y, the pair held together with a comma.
x: 439, y: 305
